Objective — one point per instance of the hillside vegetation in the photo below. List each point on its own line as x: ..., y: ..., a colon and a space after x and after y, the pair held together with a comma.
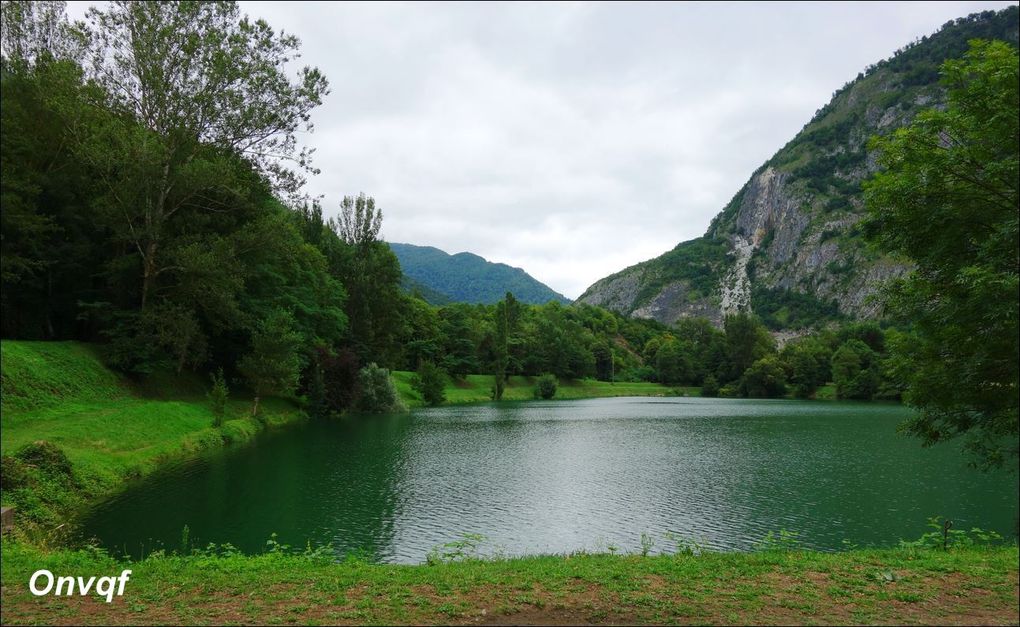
x: 468, y: 278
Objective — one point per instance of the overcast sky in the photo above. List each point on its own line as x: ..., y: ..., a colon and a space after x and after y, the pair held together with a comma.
x: 572, y: 140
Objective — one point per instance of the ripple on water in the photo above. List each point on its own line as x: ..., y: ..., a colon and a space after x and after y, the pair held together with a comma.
x: 566, y: 476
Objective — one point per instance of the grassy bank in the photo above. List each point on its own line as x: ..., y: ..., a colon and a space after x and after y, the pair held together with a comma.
x: 478, y: 387
x: 905, y: 586
x: 109, y: 429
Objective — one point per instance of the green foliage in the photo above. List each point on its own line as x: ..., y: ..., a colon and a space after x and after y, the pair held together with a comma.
x: 376, y: 305
x: 782, y: 542
x: 808, y: 363
x: 468, y: 278
x: 274, y: 363
x: 218, y: 397
x: 943, y: 536
x: 545, y: 386
x: 464, y: 549
x: 430, y: 381
x: 765, y: 378
x: 506, y: 322
x: 786, y: 309
x: 947, y: 200
x: 45, y: 456
x: 747, y: 341
x: 699, y: 262
x: 673, y: 364
x: 378, y: 394
x: 855, y: 371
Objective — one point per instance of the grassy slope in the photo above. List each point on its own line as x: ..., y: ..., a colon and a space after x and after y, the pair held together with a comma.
x: 477, y: 387
x: 109, y: 429
x: 964, y: 586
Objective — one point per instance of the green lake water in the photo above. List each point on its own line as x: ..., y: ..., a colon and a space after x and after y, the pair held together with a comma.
x: 562, y: 476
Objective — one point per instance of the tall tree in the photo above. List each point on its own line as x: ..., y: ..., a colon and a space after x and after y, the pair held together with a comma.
x: 947, y: 200
x: 507, y: 315
x: 274, y: 363
x: 196, y: 84
x: 376, y: 305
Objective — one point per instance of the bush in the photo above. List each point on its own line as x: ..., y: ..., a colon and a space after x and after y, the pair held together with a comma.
x: 430, y: 382
x: 545, y: 387
x: 46, y: 457
x: 218, y: 396
x: 378, y: 395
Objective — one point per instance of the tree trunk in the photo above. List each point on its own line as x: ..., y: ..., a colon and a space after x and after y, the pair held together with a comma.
x: 148, y: 271
x: 255, y: 408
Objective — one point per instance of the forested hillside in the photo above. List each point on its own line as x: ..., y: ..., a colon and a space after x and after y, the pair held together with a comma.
x: 468, y: 278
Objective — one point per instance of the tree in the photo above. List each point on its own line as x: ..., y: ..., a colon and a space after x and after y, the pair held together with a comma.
x: 506, y: 318
x: 808, y: 363
x: 378, y: 394
x: 430, y: 382
x: 855, y: 371
x: 197, y: 86
x: 764, y: 379
x: 947, y: 201
x: 274, y: 363
x: 672, y: 363
x: 747, y: 341
x: 218, y: 396
x: 376, y: 305
x: 710, y: 387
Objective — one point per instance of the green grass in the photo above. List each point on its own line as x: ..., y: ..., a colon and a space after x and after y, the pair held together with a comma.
x: 109, y: 428
x: 477, y: 387
x: 42, y: 374
x: 905, y: 586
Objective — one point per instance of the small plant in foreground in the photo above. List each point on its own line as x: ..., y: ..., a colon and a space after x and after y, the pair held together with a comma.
x: 783, y: 542
x: 943, y: 536
x: 457, y: 551
x: 683, y: 546
x: 647, y: 543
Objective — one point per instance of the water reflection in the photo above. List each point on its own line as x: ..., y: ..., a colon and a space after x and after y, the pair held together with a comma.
x: 563, y: 476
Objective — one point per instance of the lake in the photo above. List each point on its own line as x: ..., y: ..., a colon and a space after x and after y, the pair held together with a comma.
x: 563, y: 476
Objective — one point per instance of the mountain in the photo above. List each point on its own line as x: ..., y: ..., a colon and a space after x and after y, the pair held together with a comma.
x: 788, y: 245
x: 468, y: 278
x: 426, y: 293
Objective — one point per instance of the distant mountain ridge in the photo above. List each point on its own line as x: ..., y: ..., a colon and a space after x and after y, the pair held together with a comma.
x: 467, y: 278
x: 788, y: 245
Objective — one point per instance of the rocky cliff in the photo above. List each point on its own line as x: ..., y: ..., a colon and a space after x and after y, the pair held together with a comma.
x: 787, y: 246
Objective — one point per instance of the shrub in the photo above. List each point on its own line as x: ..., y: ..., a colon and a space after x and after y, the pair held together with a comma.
x: 378, y: 395
x: 545, y: 387
x: 46, y: 457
